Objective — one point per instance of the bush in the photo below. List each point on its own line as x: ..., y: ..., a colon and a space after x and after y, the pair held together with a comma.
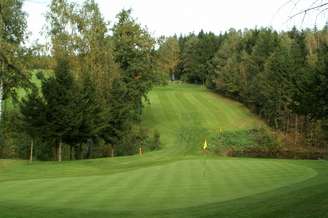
x: 261, y: 143
x: 242, y: 139
x: 153, y: 143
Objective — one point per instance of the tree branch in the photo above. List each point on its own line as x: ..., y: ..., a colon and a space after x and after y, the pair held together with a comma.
x: 308, y: 10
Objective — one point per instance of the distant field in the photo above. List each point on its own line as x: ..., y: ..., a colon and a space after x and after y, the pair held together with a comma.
x: 10, y: 105
x: 176, y: 181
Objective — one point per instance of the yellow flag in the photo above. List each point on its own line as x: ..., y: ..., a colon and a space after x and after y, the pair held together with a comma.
x: 205, y: 145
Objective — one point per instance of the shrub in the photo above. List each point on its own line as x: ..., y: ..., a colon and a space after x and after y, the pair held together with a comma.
x: 154, y: 142
x: 261, y: 143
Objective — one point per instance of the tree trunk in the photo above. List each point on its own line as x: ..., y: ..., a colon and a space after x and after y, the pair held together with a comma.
x: 140, y: 151
x: 112, y: 152
x: 71, y: 152
x: 31, y: 151
x: 60, y: 150
x: 287, y: 125
x: 89, y: 152
x: 276, y: 123
x: 80, y: 151
x: 1, y: 100
x: 296, y: 129
x: 76, y: 152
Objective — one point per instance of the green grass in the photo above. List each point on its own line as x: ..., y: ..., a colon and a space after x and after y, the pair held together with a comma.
x: 9, y: 104
x: 176, y: 181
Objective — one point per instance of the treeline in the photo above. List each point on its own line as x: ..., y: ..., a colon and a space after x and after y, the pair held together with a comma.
x: 281, y: 76
x: 89, y: 101
x: 93, y: 78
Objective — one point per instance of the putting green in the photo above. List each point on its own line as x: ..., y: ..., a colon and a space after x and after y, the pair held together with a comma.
x: 174, y: 185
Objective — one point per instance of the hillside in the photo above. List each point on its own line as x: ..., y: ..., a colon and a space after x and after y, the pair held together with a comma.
x: 176, y: 181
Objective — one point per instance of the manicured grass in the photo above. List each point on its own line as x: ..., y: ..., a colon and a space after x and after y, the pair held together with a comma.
x: 176, y: 181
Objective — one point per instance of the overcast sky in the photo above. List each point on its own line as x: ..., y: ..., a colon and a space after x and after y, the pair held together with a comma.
x: 167, y: 17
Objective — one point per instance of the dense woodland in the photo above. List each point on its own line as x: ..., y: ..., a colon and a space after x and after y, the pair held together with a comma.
x: 82, y: 94
x: 281, y: 76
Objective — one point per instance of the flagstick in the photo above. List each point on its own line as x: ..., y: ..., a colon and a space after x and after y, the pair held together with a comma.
x: 205, y: 157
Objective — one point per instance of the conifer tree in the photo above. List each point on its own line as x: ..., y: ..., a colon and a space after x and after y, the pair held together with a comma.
x: 93, y: 113
x: 33, y: 117
x: 61, y: 106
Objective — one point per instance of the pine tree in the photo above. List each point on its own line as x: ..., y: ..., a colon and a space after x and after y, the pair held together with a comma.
x: 93, y: 114
x: 33, y: 117
x: 276, y: 84
x: 121, y: 114
x: 320, y: 85
x: 61, y: 106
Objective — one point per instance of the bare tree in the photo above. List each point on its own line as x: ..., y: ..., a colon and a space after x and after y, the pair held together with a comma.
x: 304, y: 8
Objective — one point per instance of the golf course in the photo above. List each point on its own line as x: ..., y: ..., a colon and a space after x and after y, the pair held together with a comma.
x: 179, y: 179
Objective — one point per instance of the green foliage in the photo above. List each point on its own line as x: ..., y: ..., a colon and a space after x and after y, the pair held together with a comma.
x: 244, y: 139
x: 33, y: 113
x: 275, y: 74
x: 133, y: 51
x: 13, y: 139
x: 196, y: 53
x: 61, y: 105
x: 319, y: 85
x: 94, y: 113
x: 12, y: 34
x: 151, y: 142
x: 168, y: 57
x: 64, y: 110
x: 80, y: 105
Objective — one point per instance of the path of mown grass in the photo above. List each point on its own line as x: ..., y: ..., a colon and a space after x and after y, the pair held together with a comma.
x: 178, y: 180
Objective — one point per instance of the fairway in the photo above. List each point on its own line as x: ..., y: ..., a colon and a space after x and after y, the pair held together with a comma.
x: 176, y: 181
x: 187, y: 114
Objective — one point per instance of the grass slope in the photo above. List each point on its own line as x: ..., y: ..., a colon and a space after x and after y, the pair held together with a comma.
x: 178, y: 180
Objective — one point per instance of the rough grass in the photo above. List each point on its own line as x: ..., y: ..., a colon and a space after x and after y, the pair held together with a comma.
x: 176, y: 181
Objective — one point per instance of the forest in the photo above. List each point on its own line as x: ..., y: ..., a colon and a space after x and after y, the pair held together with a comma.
x: 82, y: 94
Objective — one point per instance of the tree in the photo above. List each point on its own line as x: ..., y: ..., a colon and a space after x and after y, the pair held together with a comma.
x: 134, y: 52
x: 12, y: 35
x: 169, y: 57
x: 226, y: 65
x: 319, y: 85
x: 276, y: 84
x: 93, y: 42
x: 62, y: 107
x: 196, y: 55
x: 33, y: 117
x: 190, y: 61
x: 122, y: 114
x: 93, y: 113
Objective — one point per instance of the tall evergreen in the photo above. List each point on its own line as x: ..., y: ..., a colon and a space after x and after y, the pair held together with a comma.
x: 92, y: 115
x: 61, y: 106
x: 33, y: 117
